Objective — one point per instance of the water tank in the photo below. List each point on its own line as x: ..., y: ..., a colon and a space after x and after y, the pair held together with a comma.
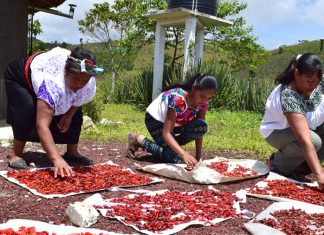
x: 204, y: 6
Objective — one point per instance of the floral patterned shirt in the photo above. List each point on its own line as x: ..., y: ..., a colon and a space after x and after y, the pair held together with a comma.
x: 177, y: 100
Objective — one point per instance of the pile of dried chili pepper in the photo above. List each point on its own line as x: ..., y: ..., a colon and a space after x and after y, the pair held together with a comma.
x: 287, y: 189
x: 164, y: 211
x: 32, y: 231
x: 239, y: 171
x: 86, y: 178
x: 295, y: 221
x: 22, y: 231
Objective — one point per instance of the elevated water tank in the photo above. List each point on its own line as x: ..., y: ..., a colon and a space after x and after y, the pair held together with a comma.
x: 204, y: 6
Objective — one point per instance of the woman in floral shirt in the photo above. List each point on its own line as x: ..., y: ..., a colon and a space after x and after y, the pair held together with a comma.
x: 288, y: 118
x: 45, y: 93
x: 175, y: 118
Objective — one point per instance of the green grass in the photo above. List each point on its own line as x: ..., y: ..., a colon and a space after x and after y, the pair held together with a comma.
x: 237, y: 131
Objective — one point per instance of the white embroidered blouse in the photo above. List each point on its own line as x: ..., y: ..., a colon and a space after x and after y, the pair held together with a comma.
x: 48, y: 80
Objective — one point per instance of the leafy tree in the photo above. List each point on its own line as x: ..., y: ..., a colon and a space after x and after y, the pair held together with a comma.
x: 35, y: 28
x: 120, y: 27
x: 123, y: 29
x: 237, y: 41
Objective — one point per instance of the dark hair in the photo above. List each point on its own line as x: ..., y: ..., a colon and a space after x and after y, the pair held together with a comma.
x: 77, y: 55
x: 200, y: 80
x: 307, y: 63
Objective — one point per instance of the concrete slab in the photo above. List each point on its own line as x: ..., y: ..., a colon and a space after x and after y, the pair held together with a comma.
x: 6, y: 135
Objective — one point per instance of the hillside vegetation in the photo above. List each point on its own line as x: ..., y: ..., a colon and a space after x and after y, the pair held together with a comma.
x: 278, y: 59
x: 235, y: 113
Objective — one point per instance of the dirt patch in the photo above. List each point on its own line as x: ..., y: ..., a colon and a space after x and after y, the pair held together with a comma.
x: 18, y: 203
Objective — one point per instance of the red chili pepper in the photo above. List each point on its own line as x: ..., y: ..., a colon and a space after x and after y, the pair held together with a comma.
x: 295, y: 221
x: 86, y: 178
x: 239, y: 171
x: 287, y: 189
x: 164, y: 211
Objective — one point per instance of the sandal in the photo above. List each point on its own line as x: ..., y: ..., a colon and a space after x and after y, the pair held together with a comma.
x: 17, y: 164
x: 81, y: 160
x: 271, y: 164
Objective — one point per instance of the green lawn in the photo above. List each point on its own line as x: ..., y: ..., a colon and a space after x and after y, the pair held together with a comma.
x: 238, y: 131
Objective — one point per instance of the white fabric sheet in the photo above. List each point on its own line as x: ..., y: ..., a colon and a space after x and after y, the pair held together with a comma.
x: 13, y: 180
x: 202, y: 174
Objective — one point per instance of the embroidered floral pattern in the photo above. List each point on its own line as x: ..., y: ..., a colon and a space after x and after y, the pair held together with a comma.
x: 44, y: 95
x: 292, y: 102
x: 48, y: 73
x: 177, y: 99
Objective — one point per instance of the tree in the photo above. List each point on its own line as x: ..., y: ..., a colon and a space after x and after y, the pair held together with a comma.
x: 237, y: 41
x: 123, y: 29
x: 120, y: 27
x: 35, y: 28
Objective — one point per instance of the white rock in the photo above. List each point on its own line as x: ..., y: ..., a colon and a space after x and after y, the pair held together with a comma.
x: 94, y: 199
x: 82, y: 214
x: 105, y: 121
x: 87, y: 123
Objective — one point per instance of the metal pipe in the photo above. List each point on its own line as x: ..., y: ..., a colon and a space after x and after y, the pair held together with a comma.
x: 56, y: 12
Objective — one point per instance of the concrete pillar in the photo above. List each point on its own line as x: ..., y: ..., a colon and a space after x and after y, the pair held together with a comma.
x: 199, y: 49
x: 13, y: 39
x: 158, y: 60
x: 190, y: 44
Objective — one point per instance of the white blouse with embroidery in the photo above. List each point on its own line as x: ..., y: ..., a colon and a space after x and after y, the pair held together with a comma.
x: 48, y: 80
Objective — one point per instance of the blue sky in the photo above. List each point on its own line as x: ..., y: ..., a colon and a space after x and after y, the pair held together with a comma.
x: 275, y: 22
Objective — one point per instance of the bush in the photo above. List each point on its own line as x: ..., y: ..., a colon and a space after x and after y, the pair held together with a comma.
x: 234, y: 94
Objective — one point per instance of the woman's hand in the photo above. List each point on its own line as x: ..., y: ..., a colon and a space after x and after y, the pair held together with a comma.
x: 64, y: 123
x: 62, y: 168
x: 320, y: 181
x: 190, y: 161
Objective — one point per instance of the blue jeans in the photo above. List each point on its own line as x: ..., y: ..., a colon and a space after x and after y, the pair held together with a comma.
x: 195, y: 129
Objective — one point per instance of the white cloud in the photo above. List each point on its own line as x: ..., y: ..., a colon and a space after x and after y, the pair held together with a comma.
x: 275, y: 22
x: 57, y: 28
x: 315, y: 12
x: 260, y: 12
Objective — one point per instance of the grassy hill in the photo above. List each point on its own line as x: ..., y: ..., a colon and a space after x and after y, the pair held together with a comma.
x: 276, y: 62
x: 278, y: 59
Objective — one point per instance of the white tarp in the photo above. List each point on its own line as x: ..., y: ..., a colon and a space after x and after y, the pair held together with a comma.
x: 261, y: 229
x: 13, y: 180
x: 202, y: 174
x: 51, y: 228
x: 274, y: 176
x: 96, y: 201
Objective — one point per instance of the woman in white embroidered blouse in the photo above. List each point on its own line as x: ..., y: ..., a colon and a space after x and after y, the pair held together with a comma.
x: 45, y: 94
x: 292, y: 109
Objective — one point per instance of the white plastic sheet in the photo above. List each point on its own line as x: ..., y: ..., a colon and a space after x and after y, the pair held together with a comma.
x: 13, y: 180
x: 96, y: 200
x: 260, y: 229
x: 274, y: 176
x: 202, y: 174
x: 51, y: 228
